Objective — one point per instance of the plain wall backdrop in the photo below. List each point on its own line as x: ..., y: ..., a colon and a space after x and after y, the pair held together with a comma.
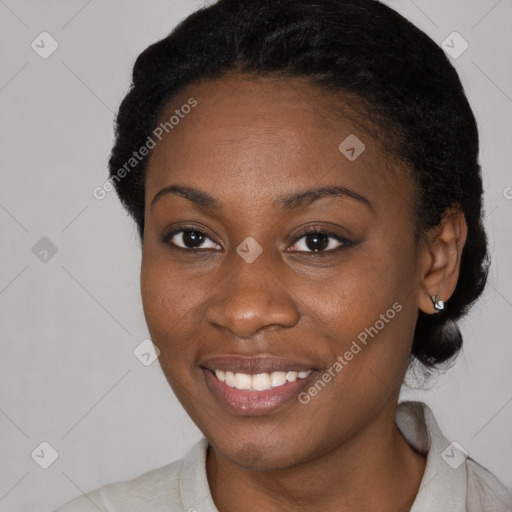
x: 70, y: 321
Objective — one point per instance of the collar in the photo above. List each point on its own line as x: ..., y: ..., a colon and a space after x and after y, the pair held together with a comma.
x: 443, y: 486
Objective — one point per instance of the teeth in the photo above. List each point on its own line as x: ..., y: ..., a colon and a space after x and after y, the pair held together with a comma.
x: 260, y: 381
x: 291, y: 376
x: 277, y: 379
x: 242, y: 381
x: 230, y: 379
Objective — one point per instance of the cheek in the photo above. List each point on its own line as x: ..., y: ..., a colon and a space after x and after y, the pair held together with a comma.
x: 370, y: 309
x: 168, y: 303
x: 366, y: 286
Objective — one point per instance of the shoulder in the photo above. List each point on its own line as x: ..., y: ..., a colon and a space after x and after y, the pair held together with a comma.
x: 450, y: 474
x: 485, y: 491
x: 157, y: 489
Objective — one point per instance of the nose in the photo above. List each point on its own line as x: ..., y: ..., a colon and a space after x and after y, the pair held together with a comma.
x: 252, y: 297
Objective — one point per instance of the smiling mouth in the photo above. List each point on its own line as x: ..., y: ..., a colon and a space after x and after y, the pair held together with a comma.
x: 256, y: 386
x: 259, y: 381
x: 260, y: 393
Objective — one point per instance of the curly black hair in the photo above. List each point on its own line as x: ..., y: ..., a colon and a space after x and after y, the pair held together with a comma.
x: 406, y: 83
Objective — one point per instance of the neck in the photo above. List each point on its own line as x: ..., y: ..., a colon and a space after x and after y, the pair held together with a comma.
x: 376, y: 470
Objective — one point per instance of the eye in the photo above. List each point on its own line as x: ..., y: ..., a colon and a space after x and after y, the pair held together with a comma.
x: 320, y: 241
x: 188, y: 238
x: 315, y: 241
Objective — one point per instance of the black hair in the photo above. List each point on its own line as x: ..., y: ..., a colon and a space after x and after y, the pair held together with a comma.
x: 358, y: 47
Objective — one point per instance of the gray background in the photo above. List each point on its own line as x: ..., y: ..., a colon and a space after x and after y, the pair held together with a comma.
x: 70, y: 324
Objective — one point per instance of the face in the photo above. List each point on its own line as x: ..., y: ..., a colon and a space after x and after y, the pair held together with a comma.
x: 254, y: 287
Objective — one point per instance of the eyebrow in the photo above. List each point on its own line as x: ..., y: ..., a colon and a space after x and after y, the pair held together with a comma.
x: 287, y: 202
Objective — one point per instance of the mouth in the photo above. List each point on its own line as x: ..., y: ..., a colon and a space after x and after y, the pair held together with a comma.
x: 258, y: 385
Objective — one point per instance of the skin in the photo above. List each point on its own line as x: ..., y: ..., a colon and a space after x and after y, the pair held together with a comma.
x: 247, y: 142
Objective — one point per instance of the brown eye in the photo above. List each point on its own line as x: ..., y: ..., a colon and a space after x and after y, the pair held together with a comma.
x: 320, y: 241
x: 188, y: 238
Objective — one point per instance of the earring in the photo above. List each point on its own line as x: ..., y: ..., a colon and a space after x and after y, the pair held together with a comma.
x: 438, y: 303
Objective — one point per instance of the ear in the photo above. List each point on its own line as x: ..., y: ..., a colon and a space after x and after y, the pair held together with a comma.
x: 440, y: 259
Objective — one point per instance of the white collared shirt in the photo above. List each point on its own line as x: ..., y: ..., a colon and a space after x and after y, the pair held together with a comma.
x: 452, y: 482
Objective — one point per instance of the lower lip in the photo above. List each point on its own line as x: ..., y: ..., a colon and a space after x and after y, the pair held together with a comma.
x: 255, y: 403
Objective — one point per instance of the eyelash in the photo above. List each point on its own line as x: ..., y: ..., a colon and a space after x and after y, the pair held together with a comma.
x: 345, y: 243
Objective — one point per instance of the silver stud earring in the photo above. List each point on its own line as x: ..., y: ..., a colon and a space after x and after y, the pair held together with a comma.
x: 438, y: 303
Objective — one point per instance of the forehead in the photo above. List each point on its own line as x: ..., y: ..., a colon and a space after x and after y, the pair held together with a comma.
x: 253, y: 138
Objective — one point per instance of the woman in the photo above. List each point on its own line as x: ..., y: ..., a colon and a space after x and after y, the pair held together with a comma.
x: 304, y: 178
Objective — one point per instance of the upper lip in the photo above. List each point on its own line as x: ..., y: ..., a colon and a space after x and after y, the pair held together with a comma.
x: 255, y: 364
